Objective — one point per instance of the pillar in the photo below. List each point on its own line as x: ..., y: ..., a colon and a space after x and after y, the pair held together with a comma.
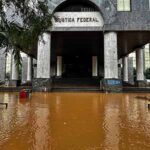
x: 14, y: 72
x: 43, y: 56
x: 139, y: 65
x: 34, y: 68
x: 24, y: 70
x: 2, y: 65
x: 120, y: 68
x: 59, y: 66
x: 29, y: 69
x: 43, y: 81
x: 111, y: 82
x: 110, y: 56
x: 94, y: 66
x: 130, y: 70
x: 125, y: 69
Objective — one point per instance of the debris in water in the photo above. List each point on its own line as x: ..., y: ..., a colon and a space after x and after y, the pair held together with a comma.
x: 143, y: 97
x: 6, y: 104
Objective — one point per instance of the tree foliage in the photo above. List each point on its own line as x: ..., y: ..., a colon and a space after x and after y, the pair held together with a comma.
x: 20, y: 30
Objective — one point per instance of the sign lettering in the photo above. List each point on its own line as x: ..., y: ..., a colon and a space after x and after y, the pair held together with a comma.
x: 77, y: 19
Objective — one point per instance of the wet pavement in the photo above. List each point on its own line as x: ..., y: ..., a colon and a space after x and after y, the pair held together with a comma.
x: 75, y: 121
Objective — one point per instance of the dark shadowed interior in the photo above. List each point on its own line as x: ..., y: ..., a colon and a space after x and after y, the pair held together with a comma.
x: 77, y: 49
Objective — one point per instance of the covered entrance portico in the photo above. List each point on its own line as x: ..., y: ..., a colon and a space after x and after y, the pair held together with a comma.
x: 77, y: 47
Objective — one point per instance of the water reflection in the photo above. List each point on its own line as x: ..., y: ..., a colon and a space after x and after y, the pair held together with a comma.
x: 75, y: 121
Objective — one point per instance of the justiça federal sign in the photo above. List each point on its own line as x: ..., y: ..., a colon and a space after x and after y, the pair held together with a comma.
x: 77, y: 19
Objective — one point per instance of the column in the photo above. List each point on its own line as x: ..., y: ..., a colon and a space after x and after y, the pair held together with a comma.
x: 24, y: 69
x: 130, y: 70
x: 43, y: 56
x: 125, y: 69
x: 94, y: 66
x: 110, y: 56
x: 120, y: 68
x: 29, y: 69
x: 14, y: 72
x: 2, y: 65
x: 59, y: 66
x: 34, y: 68
x: 139, y: 65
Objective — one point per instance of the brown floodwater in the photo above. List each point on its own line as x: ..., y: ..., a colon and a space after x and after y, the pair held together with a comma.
x: 75, y: 121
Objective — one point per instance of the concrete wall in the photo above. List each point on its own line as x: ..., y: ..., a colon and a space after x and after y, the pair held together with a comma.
x: 136, y: 19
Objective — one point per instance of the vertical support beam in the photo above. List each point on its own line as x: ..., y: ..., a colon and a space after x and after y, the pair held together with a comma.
x: 110, y: 56
x: 120, y: 68
x: 43, y: 58
x: 14, y: 71
x: 59, y: 66
x: 29, y: 69
x: 2, y: 65
x: 94, y: 66
x: 130, y: 70
x: 34, y: 68
x: 140, y: 64
x: 125, y: 69
x: 111, y: 80
x: 43, y: 81
x: 24, y: 69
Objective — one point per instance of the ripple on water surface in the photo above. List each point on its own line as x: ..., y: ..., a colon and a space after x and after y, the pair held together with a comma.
x: 75, y: 121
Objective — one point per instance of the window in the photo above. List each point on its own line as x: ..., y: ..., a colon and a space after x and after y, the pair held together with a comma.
x: 123, y: 5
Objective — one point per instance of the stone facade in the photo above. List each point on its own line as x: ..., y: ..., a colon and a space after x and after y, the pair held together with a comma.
x: 119, y: 33
x: 136, y: 19
x: 42, y: 85
x: 115, y: 44
x: 111, y: 85
x: 128, y: 24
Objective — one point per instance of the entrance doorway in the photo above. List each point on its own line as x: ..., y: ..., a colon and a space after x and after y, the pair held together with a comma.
x: 77, y: 49
x: 77, y: 66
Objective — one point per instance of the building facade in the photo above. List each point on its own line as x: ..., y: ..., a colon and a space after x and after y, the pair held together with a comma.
x: 87, y: 39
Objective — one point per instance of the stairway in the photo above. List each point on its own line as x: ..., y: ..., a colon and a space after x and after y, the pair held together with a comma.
x: 75, y: 84
x: 127, y: 84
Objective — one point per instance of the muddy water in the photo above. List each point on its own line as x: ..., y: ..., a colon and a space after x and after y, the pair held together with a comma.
x: 75, y: 121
